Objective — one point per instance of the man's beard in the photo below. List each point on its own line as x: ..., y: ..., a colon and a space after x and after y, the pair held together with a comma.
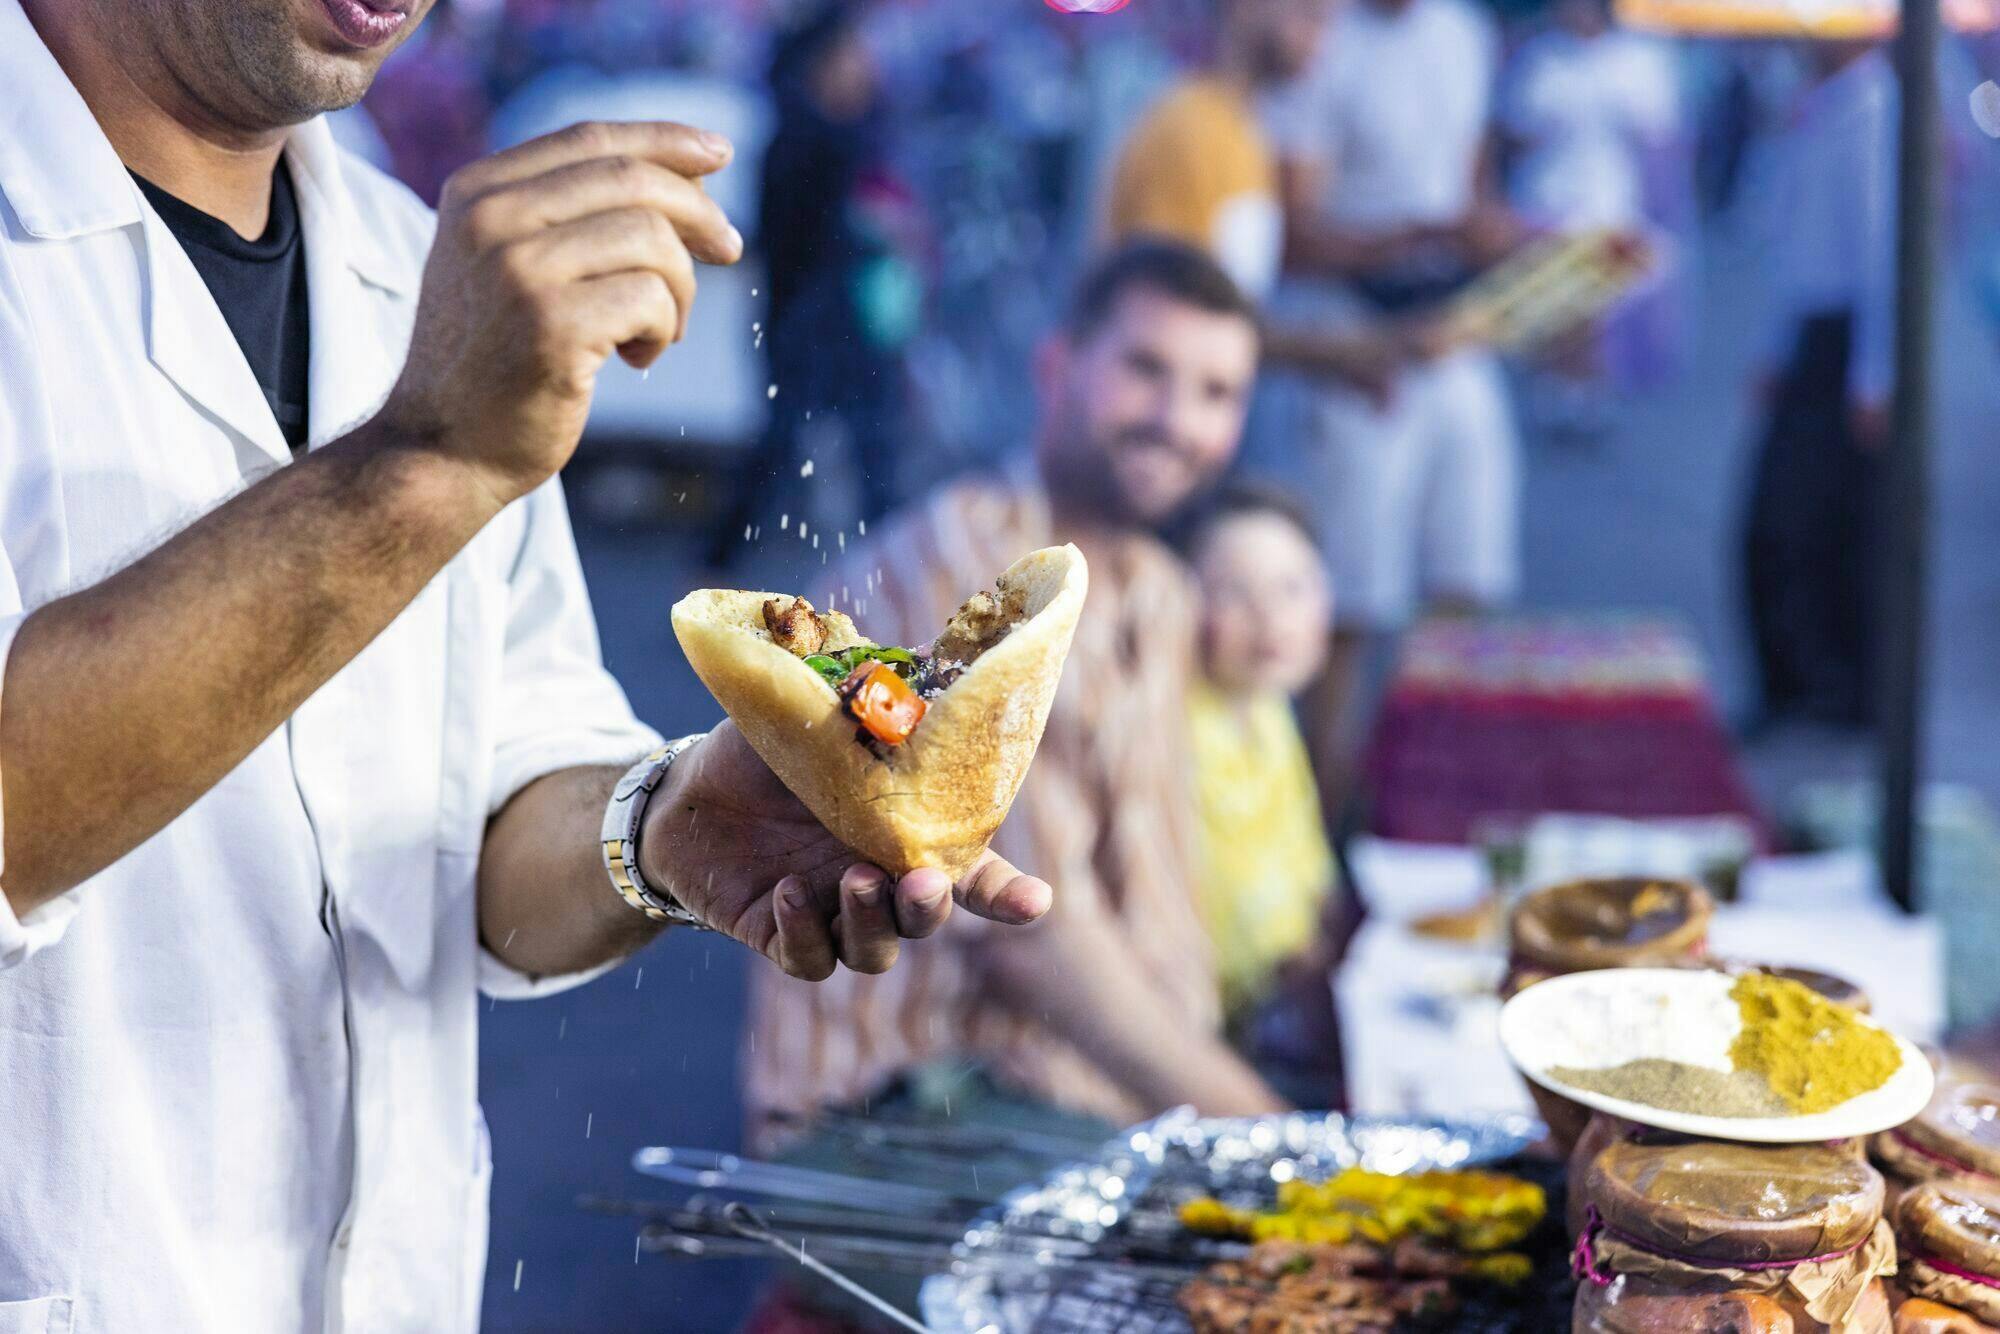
x: 1081, y: 480
x: 246, y: 66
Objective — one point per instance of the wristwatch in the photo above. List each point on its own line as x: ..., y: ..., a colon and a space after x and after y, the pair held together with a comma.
x: 623, y: 817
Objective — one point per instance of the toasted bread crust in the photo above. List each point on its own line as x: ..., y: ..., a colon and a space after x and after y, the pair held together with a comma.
x: 940, y: 796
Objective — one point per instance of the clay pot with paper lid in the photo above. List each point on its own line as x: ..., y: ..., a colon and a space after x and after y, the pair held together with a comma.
x: 1950, y: 1237
x: 1955, y: 1138
x: 1584, y: 925
x: 1687, y: 1236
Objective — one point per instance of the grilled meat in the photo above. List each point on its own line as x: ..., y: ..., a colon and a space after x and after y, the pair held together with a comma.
x: 794, y: 627
x: 981, y: 623
x: 1288, y: 1288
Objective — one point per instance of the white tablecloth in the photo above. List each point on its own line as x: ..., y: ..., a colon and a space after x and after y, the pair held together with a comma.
x: 1420, y: 1021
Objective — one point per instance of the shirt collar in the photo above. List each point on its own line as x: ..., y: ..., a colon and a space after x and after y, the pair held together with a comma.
x: 64, y: 180
x: 57, y: 169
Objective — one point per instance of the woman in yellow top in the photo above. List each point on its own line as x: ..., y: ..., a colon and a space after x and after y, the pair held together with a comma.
x: 1268, y: 878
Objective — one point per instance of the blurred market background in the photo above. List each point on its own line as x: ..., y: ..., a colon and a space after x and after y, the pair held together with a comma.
x: 986, y: 180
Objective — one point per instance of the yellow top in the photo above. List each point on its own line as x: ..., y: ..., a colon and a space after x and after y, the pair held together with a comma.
x: 1265, y: 867
x: 1199, y: 169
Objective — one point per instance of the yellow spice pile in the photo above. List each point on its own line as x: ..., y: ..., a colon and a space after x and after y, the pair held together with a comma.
x: 1814, y: 1052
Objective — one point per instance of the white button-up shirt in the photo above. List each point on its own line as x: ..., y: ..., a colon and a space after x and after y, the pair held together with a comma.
x: 238, y: 1068
x: 1395, y: 109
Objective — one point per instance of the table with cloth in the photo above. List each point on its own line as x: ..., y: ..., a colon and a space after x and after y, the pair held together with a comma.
x: 1497, y: 718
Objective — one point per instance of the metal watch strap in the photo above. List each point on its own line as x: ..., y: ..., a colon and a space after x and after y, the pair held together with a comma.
x: 623, y: 817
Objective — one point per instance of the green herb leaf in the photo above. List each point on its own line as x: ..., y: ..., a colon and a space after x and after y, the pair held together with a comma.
x: 831, y: 669
x: 904, y: 661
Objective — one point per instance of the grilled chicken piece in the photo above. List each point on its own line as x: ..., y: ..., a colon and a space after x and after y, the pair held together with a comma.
x: 981, y: 623
x: 796, y: 628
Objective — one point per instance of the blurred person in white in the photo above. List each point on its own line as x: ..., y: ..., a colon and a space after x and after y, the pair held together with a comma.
x: 1110, y: 1007
x: 1810, y: 544
x: 1592, y: 120
x: 304, y: 733
x: 1389, y: 193
x: 1200, y: 168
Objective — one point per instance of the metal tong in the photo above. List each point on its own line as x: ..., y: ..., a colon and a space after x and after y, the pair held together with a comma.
x: 705, y: 1169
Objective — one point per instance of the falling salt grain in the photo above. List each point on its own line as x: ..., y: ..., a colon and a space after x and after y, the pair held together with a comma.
x: 517, y: 1274
x: 771, y: 392
x: 562, y: 1029
x: 806, y: 470
x: 641, y: 977
x: 588, y: 1118
x: 842, y: 539
x: 746, y: 532
x: 635, y: 1250
x: 784, y: 522
x: 862, y: 527
x: 1986, y: 108
x: 802, y: 530
x: 510, y: 938
x: 815, y: 541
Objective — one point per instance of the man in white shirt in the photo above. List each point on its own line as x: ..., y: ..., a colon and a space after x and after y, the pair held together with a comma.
x: 1387, y: 195
x: 303, y: 731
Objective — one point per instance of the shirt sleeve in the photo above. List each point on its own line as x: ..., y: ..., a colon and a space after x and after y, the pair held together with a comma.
x: 24, y: 424
x: 558, y: 708
x: 27, y: 934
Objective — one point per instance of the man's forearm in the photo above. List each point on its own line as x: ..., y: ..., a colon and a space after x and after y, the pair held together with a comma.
x: 127, y: 701
x: 1072, y: 976
x: 1315, y: 246
x: 546, y: 907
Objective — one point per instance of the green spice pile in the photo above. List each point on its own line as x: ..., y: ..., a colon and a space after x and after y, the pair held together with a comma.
x: 1674, y: 1087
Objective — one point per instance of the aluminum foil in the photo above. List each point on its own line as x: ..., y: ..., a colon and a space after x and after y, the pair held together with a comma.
x: 1009, y: 1276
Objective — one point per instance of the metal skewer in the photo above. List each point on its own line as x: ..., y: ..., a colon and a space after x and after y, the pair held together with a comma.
x: 747, y: 1225
x: 726, y: 1171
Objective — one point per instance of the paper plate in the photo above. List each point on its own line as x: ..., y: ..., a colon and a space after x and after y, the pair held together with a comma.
x: 1594, y: 1020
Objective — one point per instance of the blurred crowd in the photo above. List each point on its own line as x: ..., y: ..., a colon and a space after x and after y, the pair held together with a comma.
x: 1167, y: 285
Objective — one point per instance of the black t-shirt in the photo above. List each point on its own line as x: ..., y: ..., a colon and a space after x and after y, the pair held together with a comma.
x: 260, y: 287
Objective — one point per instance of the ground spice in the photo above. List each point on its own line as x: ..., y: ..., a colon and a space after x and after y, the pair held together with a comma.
x: 1674, y: 1087
x: 1815, y: 1053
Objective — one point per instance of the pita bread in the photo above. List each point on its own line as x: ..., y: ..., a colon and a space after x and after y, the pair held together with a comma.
x: 941, y: 794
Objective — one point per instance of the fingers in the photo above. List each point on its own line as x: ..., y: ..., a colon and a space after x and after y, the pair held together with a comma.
x: 633, y: 239
x: 805, y: 946
x: 679, y: 148
x: 993, y: 889
x: 859, y: 923
x: 923, y: 902
x: 607, y: 186
x: 636, y: 312
x: 867, y: 921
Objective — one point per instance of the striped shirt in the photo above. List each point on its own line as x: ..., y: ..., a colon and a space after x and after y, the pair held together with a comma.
x: 1105, y: 815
